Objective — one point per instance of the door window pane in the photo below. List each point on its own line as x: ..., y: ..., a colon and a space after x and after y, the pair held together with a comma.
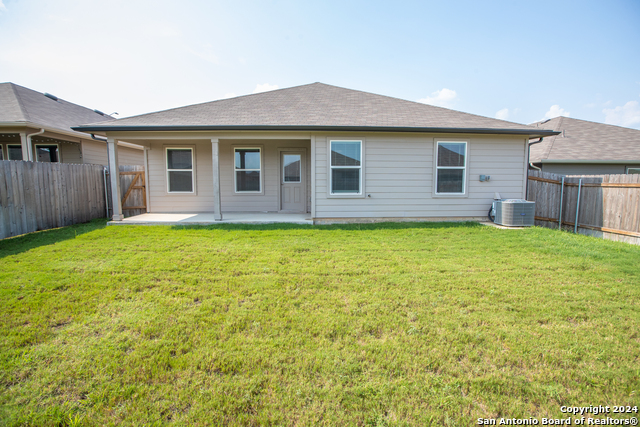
x: 291, y: 172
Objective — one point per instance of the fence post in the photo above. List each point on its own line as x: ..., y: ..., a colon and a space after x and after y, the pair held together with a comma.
x: 575, y: 227
x: 561, y: 195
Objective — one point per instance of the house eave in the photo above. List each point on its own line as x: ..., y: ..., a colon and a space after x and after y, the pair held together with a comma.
x: 49, y: 129
x: 529, y: 132
x: 588, y: 161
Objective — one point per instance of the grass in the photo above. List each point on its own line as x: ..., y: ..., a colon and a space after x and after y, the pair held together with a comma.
x: 370, y: 325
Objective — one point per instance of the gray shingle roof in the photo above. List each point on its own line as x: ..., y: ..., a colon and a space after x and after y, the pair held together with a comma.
x: 584, y: 140
x: 20, y: 104
x: 309, y: 107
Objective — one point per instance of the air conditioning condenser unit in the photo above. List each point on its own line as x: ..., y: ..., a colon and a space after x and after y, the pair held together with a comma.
x: 514, y: 212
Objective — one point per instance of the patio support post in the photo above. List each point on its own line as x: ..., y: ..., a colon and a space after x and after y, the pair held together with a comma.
x: 217, y: 205
x: 114, y: 177
x: 24, y: 142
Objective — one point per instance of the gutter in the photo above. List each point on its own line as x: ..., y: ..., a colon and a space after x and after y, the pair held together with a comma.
x: 595, y: 161
x: 531, y: 132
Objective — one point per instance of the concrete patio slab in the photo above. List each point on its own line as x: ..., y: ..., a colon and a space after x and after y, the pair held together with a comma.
x: 208, y: 219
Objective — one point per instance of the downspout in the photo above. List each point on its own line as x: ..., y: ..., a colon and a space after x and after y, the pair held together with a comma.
x: 530, y: 144
x: 526, y: 194
x: 30, y: 146
x: 106, y: 192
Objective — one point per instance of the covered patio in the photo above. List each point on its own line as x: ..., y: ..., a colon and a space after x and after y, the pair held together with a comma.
x: 210, y: 218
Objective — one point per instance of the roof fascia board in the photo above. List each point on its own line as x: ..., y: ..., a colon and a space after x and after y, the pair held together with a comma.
x: 75, y: 134
x: 48, y: 131
x: 600, y: 162
x: 531, y: 132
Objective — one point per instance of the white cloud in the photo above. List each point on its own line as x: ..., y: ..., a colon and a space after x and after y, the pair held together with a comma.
x: 441, y: 98
x: 590, y: 105
x: 627, y: 115
x: 264, y: 88
x: 2, y: 6
x: 556, y: 111
x: 503, y: 114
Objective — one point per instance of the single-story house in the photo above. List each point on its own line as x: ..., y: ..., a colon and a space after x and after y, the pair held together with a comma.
x: 36, y: 126
x: 586, y: 148
x: 331, y: 153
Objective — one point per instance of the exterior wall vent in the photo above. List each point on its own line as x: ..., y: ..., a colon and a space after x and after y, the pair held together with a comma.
x: 514, y: 212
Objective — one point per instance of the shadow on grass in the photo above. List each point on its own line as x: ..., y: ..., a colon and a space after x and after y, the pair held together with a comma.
x: 362, y: 226
x: 19, y: 244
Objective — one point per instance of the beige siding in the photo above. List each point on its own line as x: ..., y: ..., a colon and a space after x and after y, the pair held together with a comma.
x: 162, y: 201
x: 70, y: 152
x: 399, y: 176
x: 130, y: 156
x: 269, y: 200
x: 95, y: 152
x: 202, y: 200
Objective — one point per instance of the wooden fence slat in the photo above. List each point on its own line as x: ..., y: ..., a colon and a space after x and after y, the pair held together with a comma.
x: 609, y: 204
x: 38, y: 195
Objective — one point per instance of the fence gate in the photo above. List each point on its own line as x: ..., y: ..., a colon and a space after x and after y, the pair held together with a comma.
x: 132, y: 183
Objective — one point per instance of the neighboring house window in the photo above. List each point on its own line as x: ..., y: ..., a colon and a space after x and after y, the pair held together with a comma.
x: 47, y: 153
x: 248, y: 170
x: 346, y: 167
x: 1, y: 152
x: 180, y: 176
x: 14, y: 152
x: 633, y: 170
x: 451, y: 167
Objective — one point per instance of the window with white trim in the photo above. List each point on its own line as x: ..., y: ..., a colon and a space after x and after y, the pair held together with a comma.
x: 180, y: 174
x: 451, y: 167
x: 633, y: 170
x: 14, y: 152
x: 346, y: 167
x: 248, y: 169
x: 47, y: 153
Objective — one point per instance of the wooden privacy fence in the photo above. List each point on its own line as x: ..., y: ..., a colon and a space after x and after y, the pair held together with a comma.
x: 601, y: 205
x: 38, y: 196
x: 133, y: 190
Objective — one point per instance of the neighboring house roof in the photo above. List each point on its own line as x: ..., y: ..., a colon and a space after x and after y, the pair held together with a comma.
x: 581, y: 141
x: 20, y: 105
x: 311, y: 107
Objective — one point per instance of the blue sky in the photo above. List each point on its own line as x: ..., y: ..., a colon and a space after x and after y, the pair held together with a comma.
x: 516, y: 60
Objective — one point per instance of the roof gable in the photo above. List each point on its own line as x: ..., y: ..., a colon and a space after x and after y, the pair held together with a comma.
x: 582, y: 140
x: 20, y: 104
x: 310, y: 107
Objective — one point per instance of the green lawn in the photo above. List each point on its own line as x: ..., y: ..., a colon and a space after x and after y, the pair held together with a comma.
x: 392, y: 324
